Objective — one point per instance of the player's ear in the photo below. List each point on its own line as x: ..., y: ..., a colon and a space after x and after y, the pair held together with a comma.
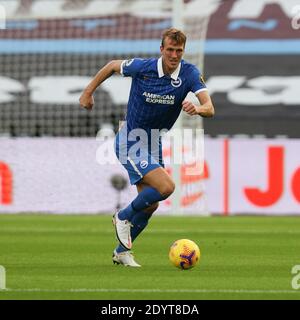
x: 161, y: 48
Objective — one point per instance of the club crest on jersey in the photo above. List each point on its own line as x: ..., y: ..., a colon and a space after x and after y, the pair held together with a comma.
x: 176, y: 83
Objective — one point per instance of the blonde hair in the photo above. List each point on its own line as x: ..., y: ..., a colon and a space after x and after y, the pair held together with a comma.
x: 174, y: 34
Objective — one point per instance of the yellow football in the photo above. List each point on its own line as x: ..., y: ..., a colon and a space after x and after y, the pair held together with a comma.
x: 184, y: 254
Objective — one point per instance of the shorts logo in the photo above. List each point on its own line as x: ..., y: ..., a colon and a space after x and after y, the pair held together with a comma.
x: 176, y: 83
x: 128, y: 62
x: 144, y: 164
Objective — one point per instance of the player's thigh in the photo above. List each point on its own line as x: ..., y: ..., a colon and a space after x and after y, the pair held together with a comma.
x: 159, y: 179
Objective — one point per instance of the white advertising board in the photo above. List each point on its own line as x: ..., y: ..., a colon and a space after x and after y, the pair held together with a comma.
x: 63, y: 175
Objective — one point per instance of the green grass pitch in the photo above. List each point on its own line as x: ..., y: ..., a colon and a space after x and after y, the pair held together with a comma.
x: 69, y: 257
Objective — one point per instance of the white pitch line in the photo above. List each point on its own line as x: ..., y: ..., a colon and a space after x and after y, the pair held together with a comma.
x: 95, y: 290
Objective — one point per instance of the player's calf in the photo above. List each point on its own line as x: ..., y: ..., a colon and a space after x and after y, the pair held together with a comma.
x: 151, y: 209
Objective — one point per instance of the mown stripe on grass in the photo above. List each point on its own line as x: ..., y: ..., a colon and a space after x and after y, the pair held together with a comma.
x: 152, y: 290
x: 167, y: 231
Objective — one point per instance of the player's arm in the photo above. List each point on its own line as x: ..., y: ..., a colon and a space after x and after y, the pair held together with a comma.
x: 86, y: 99
x: 206, y: 108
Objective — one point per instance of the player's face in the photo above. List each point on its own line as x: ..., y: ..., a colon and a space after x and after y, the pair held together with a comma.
x: 172, y: 53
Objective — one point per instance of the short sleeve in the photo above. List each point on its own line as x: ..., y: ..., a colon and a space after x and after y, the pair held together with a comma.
x: 131, y: 67
x: 197, y: 81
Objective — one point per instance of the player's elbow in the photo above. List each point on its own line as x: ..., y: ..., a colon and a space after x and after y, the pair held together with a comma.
x: 115, y: 65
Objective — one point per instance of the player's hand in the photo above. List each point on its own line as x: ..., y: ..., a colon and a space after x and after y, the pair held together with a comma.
x: 189, y: 108
x: 86, y: 101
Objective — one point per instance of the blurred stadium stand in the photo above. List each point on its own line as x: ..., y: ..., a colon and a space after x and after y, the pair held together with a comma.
x: 264, y: 99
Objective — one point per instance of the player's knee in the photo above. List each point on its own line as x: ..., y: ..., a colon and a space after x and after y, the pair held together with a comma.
x: 167, y: 189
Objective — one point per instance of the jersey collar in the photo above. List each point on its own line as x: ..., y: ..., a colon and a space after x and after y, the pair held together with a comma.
x: 160, y: 70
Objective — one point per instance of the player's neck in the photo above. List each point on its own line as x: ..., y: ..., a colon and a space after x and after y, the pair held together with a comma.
x: 167, y: 71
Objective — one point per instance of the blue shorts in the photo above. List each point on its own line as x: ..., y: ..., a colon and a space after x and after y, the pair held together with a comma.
x: 137, y: 158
